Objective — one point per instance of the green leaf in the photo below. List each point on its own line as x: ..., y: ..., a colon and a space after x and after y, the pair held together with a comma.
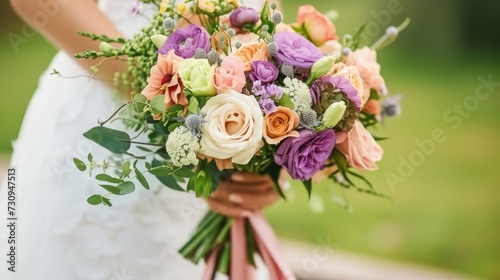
x: 160, y: 171
x: 106, y: 201
x: 126, y: 169
x: 157, y: 104
x: 173, y: 126
x: 111, y: 189
x: 90, y: 157
x: 161, y: 129
x: 142, y: 179
x: 80, y: 164
x: 148, y: 165
x: 285, y: 101
x: 274, y: 171
x: 107, y: 178
x: 184, y: 173
x: 175, y: 109
x: 167, y: 181
x: 308, y: 185
x: 193, y: 105
x: 190, y: 185
x: 95, y: 199
x: 140, y: 102
x: 115, y: 141
x: 126, y: 187
x: 144, y: 149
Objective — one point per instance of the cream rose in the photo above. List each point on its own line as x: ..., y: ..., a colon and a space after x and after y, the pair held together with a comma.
x: 358, y: 145
x: 233, y: 128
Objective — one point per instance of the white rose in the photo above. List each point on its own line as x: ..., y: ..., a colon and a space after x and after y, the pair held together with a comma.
x: 233, y: 127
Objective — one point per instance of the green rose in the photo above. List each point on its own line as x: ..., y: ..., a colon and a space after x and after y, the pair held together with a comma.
x: 197, y: 76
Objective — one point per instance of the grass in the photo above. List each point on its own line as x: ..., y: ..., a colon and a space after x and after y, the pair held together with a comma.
x: 445, y: 212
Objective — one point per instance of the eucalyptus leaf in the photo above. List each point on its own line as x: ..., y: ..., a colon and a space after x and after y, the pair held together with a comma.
x: 184, y: 173
x: 126, y: 169
x: 111, y: 189
x: 106, y: 201
x: 126, y: 187
x: 140, y: 177
x: 107, y: 178
x: 95, y: 199
x: 90, y: 157
x: 80, y: 164
x: 167, y: 181
x: 139, y: 101
x: 115, y: 141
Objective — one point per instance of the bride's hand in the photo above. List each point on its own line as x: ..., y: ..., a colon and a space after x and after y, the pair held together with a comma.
x: 242, y: 194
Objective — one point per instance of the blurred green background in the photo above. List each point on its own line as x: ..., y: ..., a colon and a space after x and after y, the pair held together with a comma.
x: 446, y: 210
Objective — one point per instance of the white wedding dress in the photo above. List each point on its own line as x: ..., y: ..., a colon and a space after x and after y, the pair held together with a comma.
x: 59, y: 235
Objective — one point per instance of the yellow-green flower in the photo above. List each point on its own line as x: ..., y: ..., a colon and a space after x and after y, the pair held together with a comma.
x: 333, y: 114
x: 197, y: 76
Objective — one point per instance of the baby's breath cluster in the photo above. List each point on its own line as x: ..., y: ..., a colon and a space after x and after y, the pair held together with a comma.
x: 182, y: 147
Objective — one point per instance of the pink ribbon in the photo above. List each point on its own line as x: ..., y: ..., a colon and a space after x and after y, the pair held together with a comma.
x: 267, y: 244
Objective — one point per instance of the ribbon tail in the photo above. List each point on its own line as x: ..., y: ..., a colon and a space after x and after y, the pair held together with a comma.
x: 240, y: 268
x: 211, y: 265
x: 269, y: 248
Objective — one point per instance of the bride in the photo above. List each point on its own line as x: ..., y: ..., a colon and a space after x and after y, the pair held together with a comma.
x: 59, y: 236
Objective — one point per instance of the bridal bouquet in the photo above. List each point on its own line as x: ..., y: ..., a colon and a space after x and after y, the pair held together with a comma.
x: 217, y: 88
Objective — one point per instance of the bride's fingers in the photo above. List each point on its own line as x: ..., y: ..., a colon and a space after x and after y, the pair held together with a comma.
x: 226, y: 209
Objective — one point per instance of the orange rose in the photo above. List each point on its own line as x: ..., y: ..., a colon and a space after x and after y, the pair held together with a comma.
x: 280, y: 124
x: 252, y: 51
x: 316, y: 25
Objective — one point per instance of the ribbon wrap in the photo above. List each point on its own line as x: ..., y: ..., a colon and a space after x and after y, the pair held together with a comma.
x: 268, y: 247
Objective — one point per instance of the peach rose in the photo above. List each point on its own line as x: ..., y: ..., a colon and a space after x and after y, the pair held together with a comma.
x: 230, y: 75
x: 316, y: 25
x: 359, y: 147
x: 252, y: 51
x: 280, y: 124
x: 351, y: 73
x: 365, y: 59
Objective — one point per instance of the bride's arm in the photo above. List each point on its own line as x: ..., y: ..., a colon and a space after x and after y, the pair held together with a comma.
x: 61, y: 24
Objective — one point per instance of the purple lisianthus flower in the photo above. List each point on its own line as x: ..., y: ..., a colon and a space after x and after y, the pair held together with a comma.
x: 297, y: 51
x: 267, y: 105
x: 186, y: 42
x: 242, y: 16
x: 327, y: 84
x: 305, y: 155
x: 264, y: 71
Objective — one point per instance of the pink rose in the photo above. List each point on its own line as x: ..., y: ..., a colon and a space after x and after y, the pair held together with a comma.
x: 316, y: 25
x: 359, y: 147
x: 365, y: 59
x: 230, y: 75
x: 283, y: 27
